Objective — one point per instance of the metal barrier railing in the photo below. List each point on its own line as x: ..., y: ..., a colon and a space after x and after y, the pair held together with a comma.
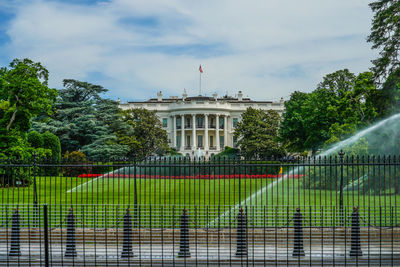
x: 107, y: 235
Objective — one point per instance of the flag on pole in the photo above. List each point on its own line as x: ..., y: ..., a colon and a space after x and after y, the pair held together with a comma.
x: 200, y: 69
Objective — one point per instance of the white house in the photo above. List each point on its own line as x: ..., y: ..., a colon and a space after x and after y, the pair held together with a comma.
x: 200, y: 122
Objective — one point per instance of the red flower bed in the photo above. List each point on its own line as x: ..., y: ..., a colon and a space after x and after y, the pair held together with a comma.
x: 89, y: 175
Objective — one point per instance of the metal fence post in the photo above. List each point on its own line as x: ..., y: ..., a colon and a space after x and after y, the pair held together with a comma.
x: 341, y: 156
x: 46, y: 236
x: 298, y: 249
x: 241, y: 250
x: 184, y: 247
x: 15, y: 246
x: 355, y: 250
x: 70, y: 250
x: 127, y: 236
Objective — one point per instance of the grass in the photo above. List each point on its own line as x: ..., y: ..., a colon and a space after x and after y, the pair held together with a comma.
x: 160, y: 201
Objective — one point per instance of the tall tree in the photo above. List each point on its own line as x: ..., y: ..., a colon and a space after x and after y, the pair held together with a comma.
x: 385, y: 36
x: 257, y: 133
x: 145, y: 135
x: 83, y: 120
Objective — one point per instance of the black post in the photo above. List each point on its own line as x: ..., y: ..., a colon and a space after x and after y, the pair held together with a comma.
x: 35, y: 197
x: 341, y: 155
x: 135, y: 209
x: 127, y: 236
x: 70, y: 250
x: 355, y: 250
x: 46, y: 236
x: 241, y: 241
x: 298, y: 249
x: 184, y: 249
x: 15, y: 246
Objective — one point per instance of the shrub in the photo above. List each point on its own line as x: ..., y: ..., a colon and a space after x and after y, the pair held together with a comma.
x: 35, y: 139
x: 52, y: 142
x: 75, y: 158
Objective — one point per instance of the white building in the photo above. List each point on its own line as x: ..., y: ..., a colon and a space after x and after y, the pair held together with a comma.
x: 201, y: 122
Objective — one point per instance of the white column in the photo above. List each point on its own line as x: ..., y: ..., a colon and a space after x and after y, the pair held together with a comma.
x: 225, y: 130
x: 182, y: 132
x: 217, y: 132
x: 206, y: 132
x: 194, y: 132
x: 174, y: 130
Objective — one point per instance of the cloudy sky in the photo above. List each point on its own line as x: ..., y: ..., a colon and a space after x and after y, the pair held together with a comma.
x: 266, y: 48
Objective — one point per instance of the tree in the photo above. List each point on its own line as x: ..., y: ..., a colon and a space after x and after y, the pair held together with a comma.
x: 24, y: 87
x: 257, y: 133
x: 292, y: 131
x: 385, y: 36
x: 23, y: 95
x: 145, y: 135
x: 85, y: 121
x: 341, y: 104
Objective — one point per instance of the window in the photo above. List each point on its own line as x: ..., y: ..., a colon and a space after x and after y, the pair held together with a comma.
x: 234, y: 141
x: 200, y: 122
x: 211, y: 141
x: 188, y: 140
x: 178, y: 123
x: 199, y: 141
x: 221, y: 141
x: 187, y: 122
x: 234, y: 122
x: 221, y: 123
x: 178, y: 141
x: 165, y: 122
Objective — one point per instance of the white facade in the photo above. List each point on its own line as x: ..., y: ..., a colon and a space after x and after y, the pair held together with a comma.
x: 201, y: 122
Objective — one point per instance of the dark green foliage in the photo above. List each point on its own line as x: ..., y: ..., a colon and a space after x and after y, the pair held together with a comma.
x: 85, y: 121
x: 228, y: 153
x: 385, y: 36
x: 51, y: 141
x: 144, y: 135
x: 341, y: 104
x: 257, y: 134
x: 76, y: 164
x: 35, y: 139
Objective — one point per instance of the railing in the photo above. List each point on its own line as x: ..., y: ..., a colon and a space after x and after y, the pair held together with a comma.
x: 188, y: 126
x: 171, y: 211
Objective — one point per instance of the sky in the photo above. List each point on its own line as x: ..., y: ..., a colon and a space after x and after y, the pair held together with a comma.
x: 135, y: 48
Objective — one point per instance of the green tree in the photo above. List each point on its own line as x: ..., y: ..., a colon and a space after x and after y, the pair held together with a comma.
x: 257, y: 133
x: 341, y: 104
x: 85, y: 121
x: 35, y: 139
x: 145, y: 135
x: 385, y: 36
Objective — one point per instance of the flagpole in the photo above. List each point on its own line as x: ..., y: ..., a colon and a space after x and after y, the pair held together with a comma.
x: 200, y: 84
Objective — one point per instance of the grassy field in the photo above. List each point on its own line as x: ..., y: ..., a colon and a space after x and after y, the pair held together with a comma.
x: 161, y: 201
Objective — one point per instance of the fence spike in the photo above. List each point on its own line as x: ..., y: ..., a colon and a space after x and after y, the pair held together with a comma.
x: 355, y: 250
x: 70, y: 250
x: 184, y: 247
x: 298, y: 249
x: 15, y: 246
x: 127, y: 236
x: 241, y: 241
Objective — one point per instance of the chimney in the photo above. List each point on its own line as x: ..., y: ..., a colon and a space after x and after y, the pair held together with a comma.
x: 215, y: 96
x: 159, y: 96
x: 184, y: 95
x: 240, y: 96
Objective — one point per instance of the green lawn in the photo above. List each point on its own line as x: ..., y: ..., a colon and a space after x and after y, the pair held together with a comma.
x: 161, y: 201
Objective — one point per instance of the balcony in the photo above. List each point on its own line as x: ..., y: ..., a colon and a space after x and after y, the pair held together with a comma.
x: 188, y: 126
x: 200, y: 126
x: 188, y: 147
x: 211, y: 126
x: 178, y: 127
x: 213, y: 148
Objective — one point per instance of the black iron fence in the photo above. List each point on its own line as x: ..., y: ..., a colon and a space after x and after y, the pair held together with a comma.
x: 175, y: 211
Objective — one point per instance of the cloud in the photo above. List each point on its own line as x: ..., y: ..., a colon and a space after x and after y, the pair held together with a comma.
x: 265, y: 48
